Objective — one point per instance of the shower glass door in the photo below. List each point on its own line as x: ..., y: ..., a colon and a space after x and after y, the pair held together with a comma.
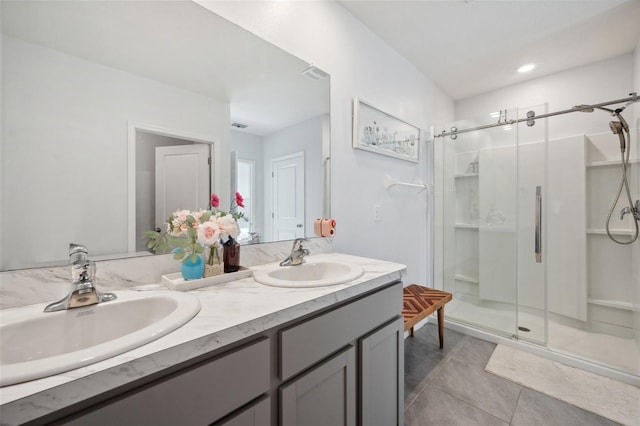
x: 480, y: 224
x: 490, y: 180
x: 535, y: 196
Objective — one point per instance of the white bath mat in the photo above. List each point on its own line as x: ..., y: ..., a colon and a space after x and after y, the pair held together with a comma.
x: 608, y: 398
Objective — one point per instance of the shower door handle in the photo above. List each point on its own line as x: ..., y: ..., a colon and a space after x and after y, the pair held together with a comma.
x: 538, y: 228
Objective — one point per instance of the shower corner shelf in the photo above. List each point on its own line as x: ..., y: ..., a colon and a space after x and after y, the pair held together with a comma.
x: 467, y: 226
x: 465, y: 175
x: 466, y: 279
x: 602, y: 231
x: 625, y: 306
x: 610, y: 162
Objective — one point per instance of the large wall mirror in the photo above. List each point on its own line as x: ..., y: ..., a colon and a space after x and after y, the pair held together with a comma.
x: 110, y: 108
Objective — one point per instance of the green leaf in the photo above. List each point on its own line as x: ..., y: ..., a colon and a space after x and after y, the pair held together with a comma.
x: 194, y: 258
x: 198, y: 248
x: 178, y: 241
x: 192, y: 232
x: 178, y: 254
x: 151, y: 234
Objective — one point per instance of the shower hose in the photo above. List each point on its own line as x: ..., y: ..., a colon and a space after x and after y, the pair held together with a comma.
x: 623, y: 184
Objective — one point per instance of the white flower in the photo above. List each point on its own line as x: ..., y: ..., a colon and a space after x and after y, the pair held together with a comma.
x: 228, y: 227
x: 197, y: 215
x: 208, y: 233
x: 181, y: 215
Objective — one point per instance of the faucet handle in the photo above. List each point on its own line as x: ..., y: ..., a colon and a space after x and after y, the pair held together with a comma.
x: 78, y: 253
x: 297, y: 243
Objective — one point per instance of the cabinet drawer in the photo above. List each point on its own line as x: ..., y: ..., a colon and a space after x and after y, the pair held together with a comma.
x: 196, y: 396
x: 303, y: 345
x: 256, y: 414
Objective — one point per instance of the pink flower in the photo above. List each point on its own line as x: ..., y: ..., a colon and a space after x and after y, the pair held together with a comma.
x: 239, y: 200
x: 215, y: 201
x: 208, y: 233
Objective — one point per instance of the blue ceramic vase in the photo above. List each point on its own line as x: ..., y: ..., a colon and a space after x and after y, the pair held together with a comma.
x: 192, y: 270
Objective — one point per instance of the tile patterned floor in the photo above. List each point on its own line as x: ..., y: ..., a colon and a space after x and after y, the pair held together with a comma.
x: 450, y: 387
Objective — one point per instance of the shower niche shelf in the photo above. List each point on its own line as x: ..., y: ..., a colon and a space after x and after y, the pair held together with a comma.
x: 466, y: 175
x: 602, y: 231
x: 470, y: 226
x: 610, y: 162
x: 466, y: 279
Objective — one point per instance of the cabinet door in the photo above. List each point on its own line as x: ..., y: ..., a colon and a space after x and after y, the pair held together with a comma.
x: 324, y: 396
x: 257, y: 414
x: 382, y: 376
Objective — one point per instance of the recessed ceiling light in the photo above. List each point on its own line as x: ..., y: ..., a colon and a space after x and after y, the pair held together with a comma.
x: 526, y: 68
x: 495, y: 114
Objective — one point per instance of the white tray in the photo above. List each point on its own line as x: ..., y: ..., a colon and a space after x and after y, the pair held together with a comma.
x: 176, y: 282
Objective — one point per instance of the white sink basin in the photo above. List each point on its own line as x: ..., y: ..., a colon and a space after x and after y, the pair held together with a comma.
x: 35, y: 344
x: 313, y: 273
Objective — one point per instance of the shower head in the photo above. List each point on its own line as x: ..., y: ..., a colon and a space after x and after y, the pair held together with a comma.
x: 615, y: 126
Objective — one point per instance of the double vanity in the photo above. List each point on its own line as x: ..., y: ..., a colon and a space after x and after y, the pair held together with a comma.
x: 321, y: 344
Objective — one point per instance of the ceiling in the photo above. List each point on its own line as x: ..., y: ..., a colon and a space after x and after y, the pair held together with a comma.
x: 468, y: 47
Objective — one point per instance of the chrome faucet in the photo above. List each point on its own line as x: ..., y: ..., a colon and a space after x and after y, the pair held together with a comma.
x: 297, y: 254
x: 83, y: 291
x: 634, y: 211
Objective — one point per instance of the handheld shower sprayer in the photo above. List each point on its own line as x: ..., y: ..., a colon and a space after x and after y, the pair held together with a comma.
x: 616, y: 127
x: 620, y: 128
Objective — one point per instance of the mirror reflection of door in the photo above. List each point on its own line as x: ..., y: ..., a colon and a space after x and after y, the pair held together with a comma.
x: 287, y: 187
x: 182, y: 179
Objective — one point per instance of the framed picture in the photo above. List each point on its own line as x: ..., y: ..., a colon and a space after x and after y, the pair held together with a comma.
x: 379, y: 132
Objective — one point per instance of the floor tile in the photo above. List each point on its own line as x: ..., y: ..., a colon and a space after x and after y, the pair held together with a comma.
x: 472, y: 384
x: 537, y: 409
x: 434, y: 407
x: 428, y: 334
x: 421, y: 364
x: 475, y: 352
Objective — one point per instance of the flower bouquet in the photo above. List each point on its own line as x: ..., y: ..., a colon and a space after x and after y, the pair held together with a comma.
x: 191, y: 232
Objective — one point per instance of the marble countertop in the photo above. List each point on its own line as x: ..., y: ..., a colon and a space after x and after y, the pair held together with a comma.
x: 229, y: 313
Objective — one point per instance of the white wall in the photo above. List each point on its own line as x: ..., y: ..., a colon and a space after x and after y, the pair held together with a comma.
x: 65, y: 126
x: 360, y: 64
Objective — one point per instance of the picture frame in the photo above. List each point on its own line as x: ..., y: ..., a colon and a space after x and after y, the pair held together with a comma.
x: 376, y: 131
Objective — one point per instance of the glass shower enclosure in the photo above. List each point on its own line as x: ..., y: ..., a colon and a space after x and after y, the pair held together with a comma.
x: 521, y: 216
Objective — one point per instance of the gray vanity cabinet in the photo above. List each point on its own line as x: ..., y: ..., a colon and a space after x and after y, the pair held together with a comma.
x: 315, y: 362
x: 257, y: 413
x: 382, y: 375
x: 326, y: 395
x: 197, y: 395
